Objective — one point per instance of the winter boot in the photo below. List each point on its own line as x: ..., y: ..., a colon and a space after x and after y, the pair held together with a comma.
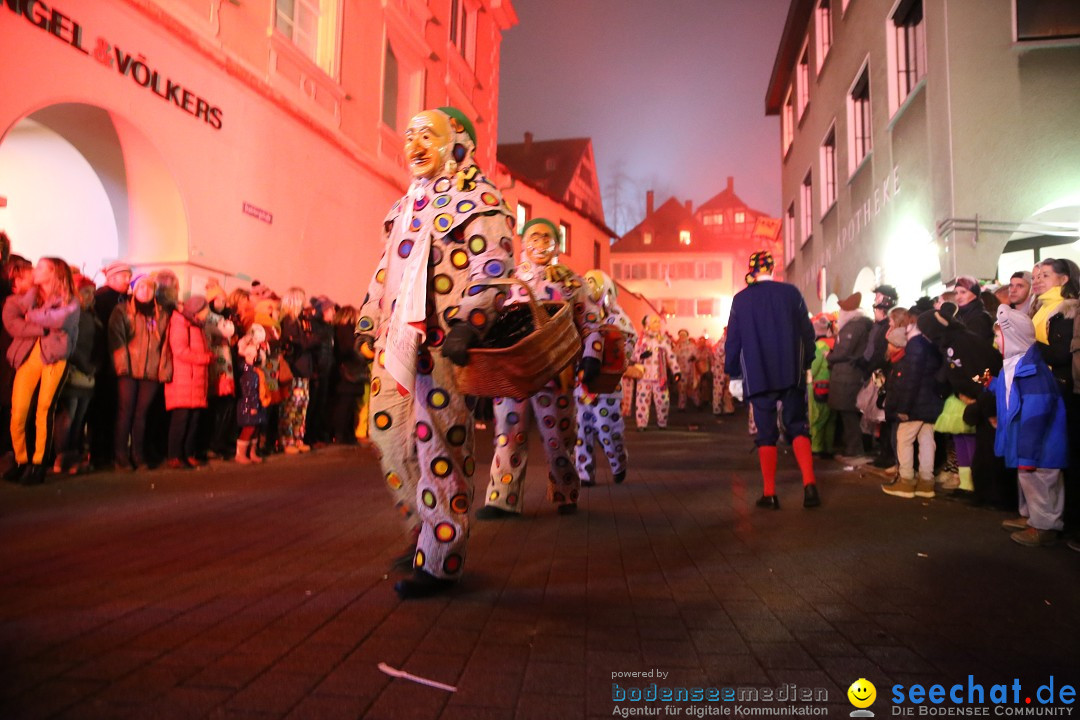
x: 242, y: 447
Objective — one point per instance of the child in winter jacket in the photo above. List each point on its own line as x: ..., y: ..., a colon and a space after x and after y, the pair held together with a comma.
x: 250, y: 407
x: 912, y: 401
x: 1031, y: 432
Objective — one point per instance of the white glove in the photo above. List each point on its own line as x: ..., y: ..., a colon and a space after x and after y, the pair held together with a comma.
x: 735, y: 385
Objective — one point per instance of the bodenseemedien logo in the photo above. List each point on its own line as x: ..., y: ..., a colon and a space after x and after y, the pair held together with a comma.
x: 862, y: 694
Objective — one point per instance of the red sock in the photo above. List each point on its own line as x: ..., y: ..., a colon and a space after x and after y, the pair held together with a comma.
x: 767, y: 457
x: 804, y: 455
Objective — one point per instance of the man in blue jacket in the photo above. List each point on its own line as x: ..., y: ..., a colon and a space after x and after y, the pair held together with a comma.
x: 770, y: 345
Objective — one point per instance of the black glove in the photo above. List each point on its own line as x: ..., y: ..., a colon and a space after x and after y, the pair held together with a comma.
x: 645, y: 355
x: 456, y: 346
x: 362, y: 341
x: 589, y: 369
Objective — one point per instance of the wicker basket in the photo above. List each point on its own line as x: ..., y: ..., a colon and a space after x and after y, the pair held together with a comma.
x: 520, y: 370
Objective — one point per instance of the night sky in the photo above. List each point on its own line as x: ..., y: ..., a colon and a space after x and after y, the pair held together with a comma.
x: 672, y: 93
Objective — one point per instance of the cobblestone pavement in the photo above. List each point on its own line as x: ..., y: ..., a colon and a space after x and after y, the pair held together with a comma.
x: 240, y: 592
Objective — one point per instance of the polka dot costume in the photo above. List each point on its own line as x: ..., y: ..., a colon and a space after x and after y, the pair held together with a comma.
x: 653, y: 387
x: 552, y: 407
x: 425, y: 439
x: 600, y: 416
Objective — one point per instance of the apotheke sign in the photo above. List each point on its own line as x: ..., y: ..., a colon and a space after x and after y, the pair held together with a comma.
x: 67, y: 30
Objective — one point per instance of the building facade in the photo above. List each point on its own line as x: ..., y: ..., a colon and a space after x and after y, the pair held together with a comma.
x: 924, y: 140
x: 230, y: 140
x: 690, y: 263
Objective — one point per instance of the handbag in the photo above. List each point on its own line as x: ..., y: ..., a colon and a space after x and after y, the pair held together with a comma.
x: 866, y: 402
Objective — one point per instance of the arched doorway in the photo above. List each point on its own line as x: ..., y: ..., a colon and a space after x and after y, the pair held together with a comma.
x: 89, y: 187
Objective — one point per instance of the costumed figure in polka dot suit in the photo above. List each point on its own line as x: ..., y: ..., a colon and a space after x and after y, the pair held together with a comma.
x: 599, y: 415
x: 722, y: 401
x: 553, y: 406
x: 686, y: 352
x: 426, y: 306
x: 654, y: 351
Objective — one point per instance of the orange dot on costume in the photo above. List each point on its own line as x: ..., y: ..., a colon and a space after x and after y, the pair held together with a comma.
x: 441, y: 467
x: 393, y: 480
x: 459, y: 504
x: 445, y: 532
x: 493, y: 495
x: 444, y: 222
x: 502, y: 440
x: 438, y: 399
x: 477, y: 318
x: 597, y: 346
x: 442, y: 284
x: 507, y: 479
x: 382, y: 420
x: 380, y: 276
x: 489, y: 199
x: 428, y: 498
x: 376, y: 386
x: 382, y: 358
x: 420, y: 559
x: 459, y: 259
x: 452, y: 563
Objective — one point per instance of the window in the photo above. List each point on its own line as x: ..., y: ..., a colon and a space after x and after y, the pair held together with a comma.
x: 684, y: 237
x: 714, y: 219
x: 828, y: 170
x: 564, y: 238
x: 637, y: 271
x: 802, y: 81
x: 704, y: 307
x: 789, y: 234
x: 1047, y: 19
x: 907, y: 59
x: 787, y: 123
x: 463, y: 29
x: 312, y: 26
x: 647, y: 238
x: 823, y: 30
x: 685, y: 307
x: 616, y: 270
x: 524, y: 213
x: 806, y: 199
x: 740, y: 217
x: 859, y: 125
x: 403, y: 91
x: 390, y: 89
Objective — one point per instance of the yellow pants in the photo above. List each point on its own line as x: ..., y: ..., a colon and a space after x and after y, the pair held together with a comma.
x: 27, y: 377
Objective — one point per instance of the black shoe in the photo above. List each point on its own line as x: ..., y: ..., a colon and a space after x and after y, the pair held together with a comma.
x: 811, y: 498
x: 769, y: 502
x: 15, y: 473
x: 421, y: 585
x: 178, y: 464
x: 620, y: 476
x: 404, y: 561
x: 491, y: 512
x: 567, y: 509
x: 34, y: 475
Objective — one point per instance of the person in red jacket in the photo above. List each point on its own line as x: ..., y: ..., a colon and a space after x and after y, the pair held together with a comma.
x: 186, y: 394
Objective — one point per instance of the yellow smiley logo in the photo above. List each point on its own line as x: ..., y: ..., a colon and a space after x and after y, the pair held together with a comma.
x: 862, y: 693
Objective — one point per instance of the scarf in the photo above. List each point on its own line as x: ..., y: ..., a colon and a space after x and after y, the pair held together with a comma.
x: 1048, y: 302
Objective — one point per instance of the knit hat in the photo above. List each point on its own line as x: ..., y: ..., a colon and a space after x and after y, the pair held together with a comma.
x: 897, y: 336
x: 535, y: 221
x: 968, y: 283
x: 760, y: 263
x: 851, y: 302
x: 214, y: 291
x: 462, y: 120
x: 1017, y: 331
x: 193, y: 306
x: 822, y: 325
x: 888, y: 299
x: 116, y: 267
x: 143, y: 279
